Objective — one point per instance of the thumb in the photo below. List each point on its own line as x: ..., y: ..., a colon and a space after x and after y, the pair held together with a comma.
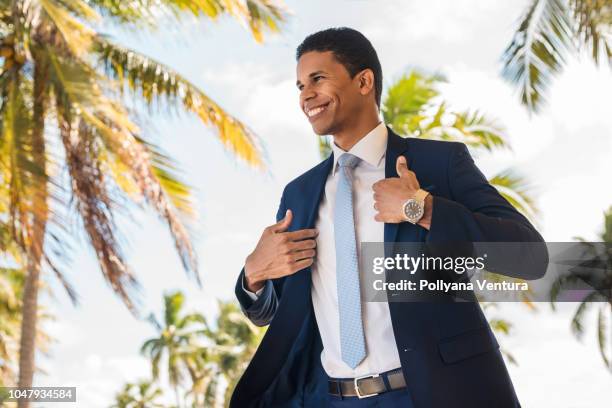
x: 402, y: 167
x: 283, y: 224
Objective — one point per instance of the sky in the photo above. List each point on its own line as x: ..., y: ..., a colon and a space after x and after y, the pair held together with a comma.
x: 565, y: 153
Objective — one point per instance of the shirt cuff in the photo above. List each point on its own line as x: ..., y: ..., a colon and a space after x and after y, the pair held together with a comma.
x: 253, y: 295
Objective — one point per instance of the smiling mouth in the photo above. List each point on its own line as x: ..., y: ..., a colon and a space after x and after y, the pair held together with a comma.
x: 317, y: 110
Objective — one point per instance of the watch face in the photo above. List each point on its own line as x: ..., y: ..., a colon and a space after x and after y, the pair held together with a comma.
x: 413, y: 210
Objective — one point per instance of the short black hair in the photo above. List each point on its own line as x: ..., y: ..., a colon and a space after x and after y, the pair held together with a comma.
x: 351, y: 48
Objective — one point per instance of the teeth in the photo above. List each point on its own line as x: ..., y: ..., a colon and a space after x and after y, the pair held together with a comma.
x: 314, y: 111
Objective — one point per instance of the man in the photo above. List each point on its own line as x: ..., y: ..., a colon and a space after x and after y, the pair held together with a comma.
x: 325, y: 346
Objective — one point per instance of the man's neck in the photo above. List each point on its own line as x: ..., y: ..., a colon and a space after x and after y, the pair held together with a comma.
x: 347, y: 138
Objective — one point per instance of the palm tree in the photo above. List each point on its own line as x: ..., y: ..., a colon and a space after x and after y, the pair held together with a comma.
x: 550, y: 31
x: 236, y: 340
x: 602, y: 297
x: 176, y: 341
x: 218, y: 367
x: 143, y: 394
x: 207, y: 361
x: 217, y: 362
x: 204, y: 373
x: 62, y: 85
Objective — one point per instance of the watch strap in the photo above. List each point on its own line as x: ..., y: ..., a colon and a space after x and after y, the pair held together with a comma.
x: 420, y: 195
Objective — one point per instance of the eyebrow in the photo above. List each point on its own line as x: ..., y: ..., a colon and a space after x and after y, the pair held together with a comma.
x: 312, y: 74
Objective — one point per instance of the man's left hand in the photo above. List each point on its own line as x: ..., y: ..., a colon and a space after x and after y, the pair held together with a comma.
x: 391, y: 194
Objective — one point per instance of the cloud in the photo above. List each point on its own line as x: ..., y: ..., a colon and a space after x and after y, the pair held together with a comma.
x: 64, y: 330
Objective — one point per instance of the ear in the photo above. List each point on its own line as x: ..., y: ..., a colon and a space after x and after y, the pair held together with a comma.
x: 366, y: 81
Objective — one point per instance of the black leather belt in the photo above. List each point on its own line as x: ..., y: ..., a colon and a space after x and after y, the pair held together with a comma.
x: 369, y: 385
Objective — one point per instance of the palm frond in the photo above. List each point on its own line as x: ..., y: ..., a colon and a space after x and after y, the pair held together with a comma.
x: 158, y: 84
x: 165, y: 170
x: 516, y: 190
x: 606, y: 234
x: 261, y: 15
x: 18, y: 171
x: 510, y: 357
x: 563, y: 282
x: 173, y: 304
x: 153, y: 321
x: 76, y: 93
x: 191, y: 319
x: 481, y: 131
x: 538, y: 50
x: 470, y: 127
x: 108, y: 120
x: 155, y: 364
x: 149, y: 347
x: 89, y: 189
x: 256, y: 15
x: 76, y: 34
x: 157, y: 196
x: 70, y: 290
x: 11, y: 288
x: 325, y: 149
x: 412, y: 107
x: 81, y: 9
x: 406, y: 100
x: 577, y: 325
x: 138, y: 13
x: 593, y: 20
x: 501, y: 325
x: 605, y: 349
x: 175, y: 373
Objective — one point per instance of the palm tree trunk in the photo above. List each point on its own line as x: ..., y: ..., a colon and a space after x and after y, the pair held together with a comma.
x: 27, y: 345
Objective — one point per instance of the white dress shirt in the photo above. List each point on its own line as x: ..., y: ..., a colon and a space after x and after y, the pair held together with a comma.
x: 381, y: 350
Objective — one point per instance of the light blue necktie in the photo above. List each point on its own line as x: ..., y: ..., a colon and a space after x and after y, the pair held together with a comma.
x: 352, y: 340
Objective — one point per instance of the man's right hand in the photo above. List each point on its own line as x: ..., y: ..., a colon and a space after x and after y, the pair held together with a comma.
x: 279, y: 253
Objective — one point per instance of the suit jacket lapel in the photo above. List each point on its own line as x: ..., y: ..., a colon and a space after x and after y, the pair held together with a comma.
x: 297, y: 287
x: 396, y: 146
x: 314, y: 191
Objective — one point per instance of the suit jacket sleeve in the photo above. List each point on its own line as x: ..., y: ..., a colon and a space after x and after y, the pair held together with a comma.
x: 261, y: 311
x: 476, y: 212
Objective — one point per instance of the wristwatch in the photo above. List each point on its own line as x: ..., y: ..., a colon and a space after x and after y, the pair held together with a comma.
x: 414, y: 208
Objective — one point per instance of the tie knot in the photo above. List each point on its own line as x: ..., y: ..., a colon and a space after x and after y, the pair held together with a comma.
x: 348, y: 160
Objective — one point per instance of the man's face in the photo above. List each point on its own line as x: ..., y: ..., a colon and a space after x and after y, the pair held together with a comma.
x: 328, y: 95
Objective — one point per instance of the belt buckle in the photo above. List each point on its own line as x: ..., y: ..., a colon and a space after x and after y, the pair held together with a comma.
x: 356, y: 384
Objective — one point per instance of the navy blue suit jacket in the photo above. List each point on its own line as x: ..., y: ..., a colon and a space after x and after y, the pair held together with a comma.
x: 448, y: 353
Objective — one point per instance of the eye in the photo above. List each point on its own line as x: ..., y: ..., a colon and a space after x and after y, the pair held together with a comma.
x: 316, y: 78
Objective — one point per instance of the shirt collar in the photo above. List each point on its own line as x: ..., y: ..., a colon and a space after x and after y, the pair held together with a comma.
x: 370, y: 149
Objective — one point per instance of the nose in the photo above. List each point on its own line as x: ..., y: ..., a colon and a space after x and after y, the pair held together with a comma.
x: 306, y: 94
